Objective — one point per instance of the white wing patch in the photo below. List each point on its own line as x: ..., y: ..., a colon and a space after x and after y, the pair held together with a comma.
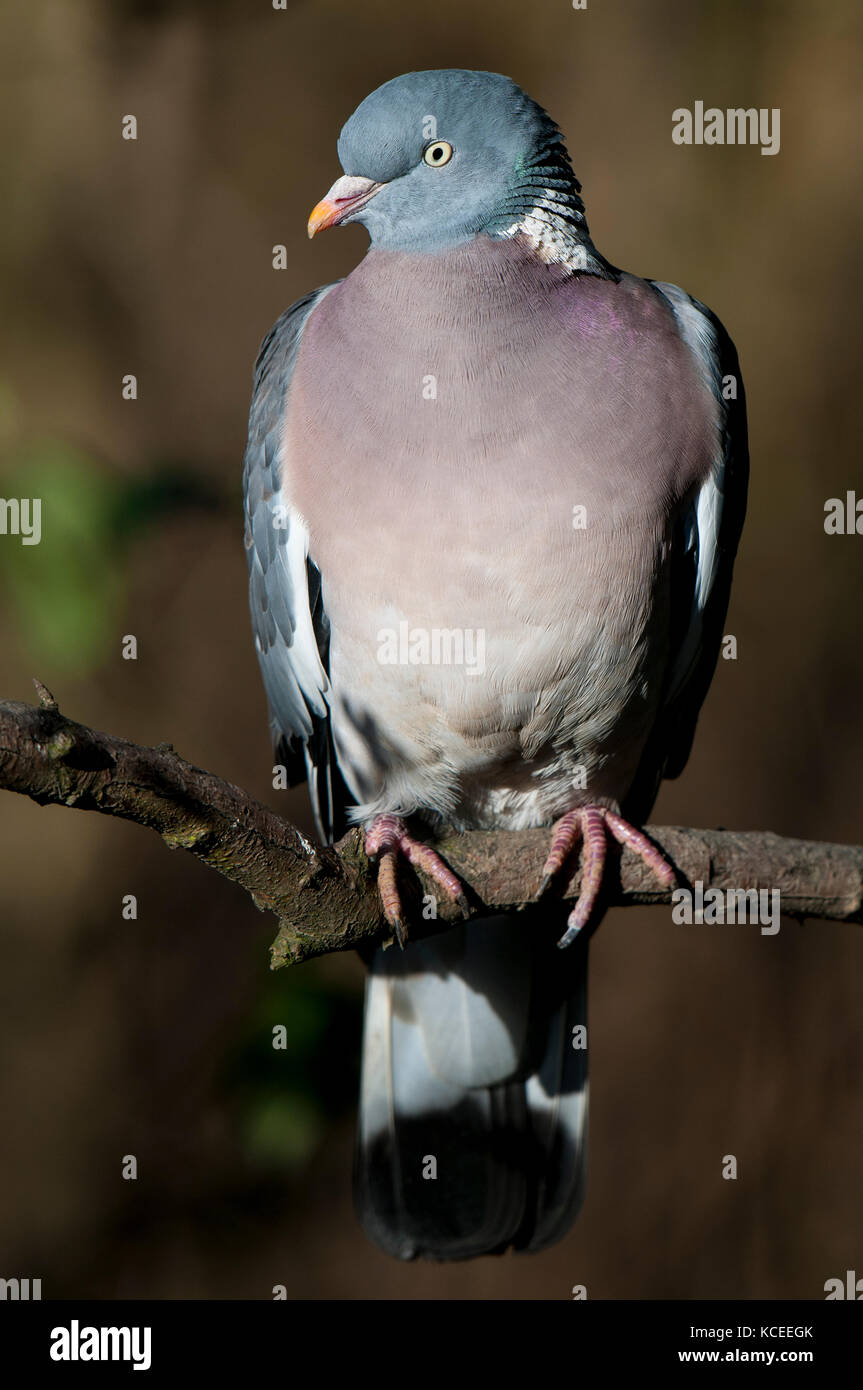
x: 703, y: 519
x: 310, y: 673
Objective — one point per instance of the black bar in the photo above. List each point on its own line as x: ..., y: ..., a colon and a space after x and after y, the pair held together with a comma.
x: 314, y: 1339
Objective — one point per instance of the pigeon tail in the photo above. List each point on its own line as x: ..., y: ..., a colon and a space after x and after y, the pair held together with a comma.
x: 473, y: 1100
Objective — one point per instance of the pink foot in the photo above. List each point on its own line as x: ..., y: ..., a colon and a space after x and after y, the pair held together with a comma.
x: 589, y: 824
x: 387, y: 838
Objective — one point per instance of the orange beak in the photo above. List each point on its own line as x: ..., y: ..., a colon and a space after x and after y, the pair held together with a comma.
x: 346, y: 195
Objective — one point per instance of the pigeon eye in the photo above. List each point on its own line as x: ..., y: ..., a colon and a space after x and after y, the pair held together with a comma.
x: 438, y: 154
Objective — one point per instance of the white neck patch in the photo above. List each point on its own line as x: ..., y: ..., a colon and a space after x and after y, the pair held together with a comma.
x: 552, y: 240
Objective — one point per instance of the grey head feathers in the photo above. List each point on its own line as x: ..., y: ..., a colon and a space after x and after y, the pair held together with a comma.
x: 508, y: 171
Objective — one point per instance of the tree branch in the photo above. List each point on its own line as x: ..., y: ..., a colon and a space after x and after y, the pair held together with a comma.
x: 326, y: 899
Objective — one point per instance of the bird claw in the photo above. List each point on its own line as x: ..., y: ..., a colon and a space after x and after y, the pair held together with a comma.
x: 590, y: 824
x: 386, y: 839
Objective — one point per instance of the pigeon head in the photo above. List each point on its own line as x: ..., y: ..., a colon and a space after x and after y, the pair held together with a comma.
x: 432, y: 159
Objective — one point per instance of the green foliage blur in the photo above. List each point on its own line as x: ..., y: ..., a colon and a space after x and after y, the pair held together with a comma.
x: 67, y: 595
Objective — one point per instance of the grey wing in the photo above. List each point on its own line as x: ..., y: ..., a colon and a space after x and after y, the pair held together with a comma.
x: 703, y: 548
x: 285, y: 596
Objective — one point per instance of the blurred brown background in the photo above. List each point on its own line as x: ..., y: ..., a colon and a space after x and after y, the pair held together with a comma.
x: 154, y: 258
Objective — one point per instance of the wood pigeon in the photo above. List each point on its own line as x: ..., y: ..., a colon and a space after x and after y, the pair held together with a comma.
x: 494, y: 488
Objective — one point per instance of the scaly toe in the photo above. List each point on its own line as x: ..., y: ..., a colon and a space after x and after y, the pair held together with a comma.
x: 424, y: 857
x: 386, y: 839
x: 592, y: 867
x: 627, y: 835
x: 564, y: 837
x: 388, y: 890
x: 576, y: 922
